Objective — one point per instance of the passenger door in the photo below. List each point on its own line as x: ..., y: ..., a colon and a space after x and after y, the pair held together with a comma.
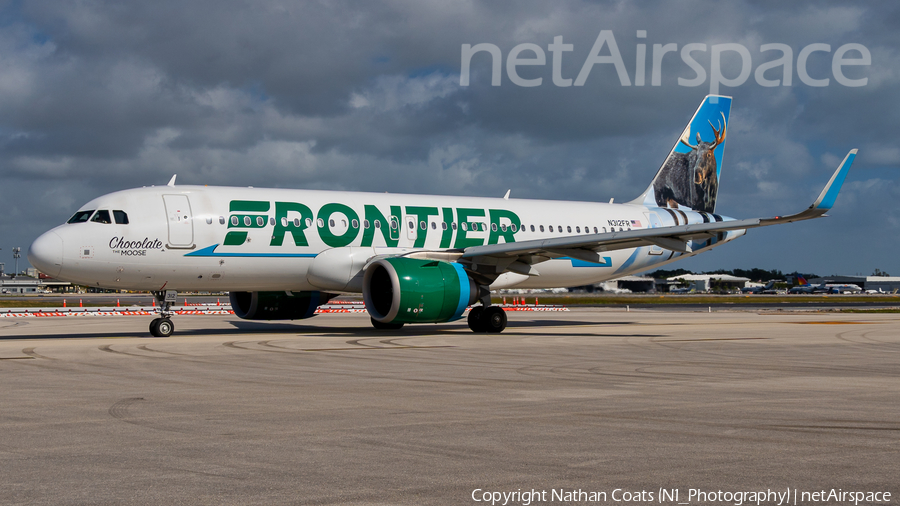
x: 178, y: 216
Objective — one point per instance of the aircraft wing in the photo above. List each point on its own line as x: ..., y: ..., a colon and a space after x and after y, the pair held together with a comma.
x: 519, y: 256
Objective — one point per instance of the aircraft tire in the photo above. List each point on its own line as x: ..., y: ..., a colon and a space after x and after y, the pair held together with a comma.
x: 493, y: 320
x: 165, y: 327
x: 385, y: 326
x: 475, y: 321
x: 154, y: 327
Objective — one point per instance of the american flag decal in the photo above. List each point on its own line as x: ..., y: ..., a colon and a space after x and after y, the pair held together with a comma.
x: 635, y: 223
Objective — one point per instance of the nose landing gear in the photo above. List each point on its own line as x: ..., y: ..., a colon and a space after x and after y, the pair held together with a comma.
x: 163, y: 326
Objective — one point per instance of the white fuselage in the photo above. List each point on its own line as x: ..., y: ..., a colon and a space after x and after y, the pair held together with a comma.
x: 253, y: 239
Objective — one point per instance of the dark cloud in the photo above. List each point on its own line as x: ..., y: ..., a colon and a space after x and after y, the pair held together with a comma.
x: 98, y: 96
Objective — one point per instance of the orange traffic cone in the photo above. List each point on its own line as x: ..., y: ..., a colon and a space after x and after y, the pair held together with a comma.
x: 79, y: 303
x: 64, y: 302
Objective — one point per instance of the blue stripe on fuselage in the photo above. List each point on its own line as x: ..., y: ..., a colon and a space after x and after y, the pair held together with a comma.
x: 211, y: 252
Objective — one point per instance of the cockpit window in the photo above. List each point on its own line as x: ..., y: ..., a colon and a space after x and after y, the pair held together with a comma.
x: 101, y: 216
x: 80, y: 216
x: 121, y: 217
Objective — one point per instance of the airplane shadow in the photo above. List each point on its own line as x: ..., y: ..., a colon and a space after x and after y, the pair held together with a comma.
x: 242, y: 327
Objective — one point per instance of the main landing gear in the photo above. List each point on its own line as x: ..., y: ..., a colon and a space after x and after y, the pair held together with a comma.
x: 163, y: 327
x: 491, y: 319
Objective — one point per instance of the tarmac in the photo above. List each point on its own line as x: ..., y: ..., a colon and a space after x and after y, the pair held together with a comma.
x: 330, y: 411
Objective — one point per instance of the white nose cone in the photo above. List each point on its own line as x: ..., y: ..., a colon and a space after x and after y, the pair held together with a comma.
x: 46, y: 254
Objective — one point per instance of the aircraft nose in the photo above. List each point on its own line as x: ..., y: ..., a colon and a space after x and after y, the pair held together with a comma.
x: 46, y: 253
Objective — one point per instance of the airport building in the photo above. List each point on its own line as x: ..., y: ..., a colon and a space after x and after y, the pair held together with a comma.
x: 25, y: 285
x: 883, y: 283
x: 707, y: 282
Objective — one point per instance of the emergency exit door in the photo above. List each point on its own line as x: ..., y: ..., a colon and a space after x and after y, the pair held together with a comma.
x: 181, y: 226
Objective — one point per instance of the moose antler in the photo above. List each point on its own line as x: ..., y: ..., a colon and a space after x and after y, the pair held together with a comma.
x: 719, y: 139
x: 685, y: 138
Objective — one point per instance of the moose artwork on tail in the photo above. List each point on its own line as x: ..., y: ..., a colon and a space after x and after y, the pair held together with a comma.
x: 691, y: 179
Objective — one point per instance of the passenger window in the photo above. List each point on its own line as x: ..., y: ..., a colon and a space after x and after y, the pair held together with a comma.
x: 284, y: 221
x: 378, y: 224
x: 331, y: 223
x: 101, y: 216
x: 296, y: 222
x: 208, y: 220
x: 247, y: 221
x: 551, y: 228
x: 503, y: 228
x: 366, y: 224
x: 308, y: 222
x: 234, y: 221
x: 433, y: 225
x: 120, y: 217
x: 532, y: 228
x: 320, y: 222
x: 494, y: 227
x: 595, y: 230
x: 443, y: 225
x: 569, y: 229
x: 395, y: 224
x: 464, y: 226
x: 577, y: 230
x: 423, y: 225
x: 221, y: 220
x: 272, y: 221
x: 513, y: 226
x: 453, y: 225
x: 355, y: 223
x: 80, y: 216
x: 260, y: 221
x: 542, y: 228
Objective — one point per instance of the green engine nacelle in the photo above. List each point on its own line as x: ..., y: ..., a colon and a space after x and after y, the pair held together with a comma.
x: 408, y: 290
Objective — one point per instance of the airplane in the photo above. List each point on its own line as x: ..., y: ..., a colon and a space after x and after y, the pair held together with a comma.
x: 280, y: 253
x: 843, y: 288
x: 804, y: 287
x: 760, y: 289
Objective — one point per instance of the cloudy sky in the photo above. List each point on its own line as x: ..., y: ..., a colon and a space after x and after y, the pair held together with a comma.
x: 98, y: 96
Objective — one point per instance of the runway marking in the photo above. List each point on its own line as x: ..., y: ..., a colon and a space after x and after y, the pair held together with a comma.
x: 16, y: 358
x: 711, y: 339
x: 833, y: 323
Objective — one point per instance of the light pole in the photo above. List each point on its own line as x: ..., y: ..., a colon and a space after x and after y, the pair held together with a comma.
x: 17, y: 255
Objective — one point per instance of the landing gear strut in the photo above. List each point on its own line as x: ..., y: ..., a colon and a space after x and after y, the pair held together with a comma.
x: 487, y: 318
x: 163, y: 326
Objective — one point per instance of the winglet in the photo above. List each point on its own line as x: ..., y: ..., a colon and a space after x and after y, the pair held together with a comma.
x: 830, y: 192
x: 506, y: 197
x: 826, y: 198
x: 172, y: 181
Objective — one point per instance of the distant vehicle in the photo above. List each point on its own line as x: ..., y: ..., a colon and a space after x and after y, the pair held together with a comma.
x: 769, y: 288
x: 686, y: 289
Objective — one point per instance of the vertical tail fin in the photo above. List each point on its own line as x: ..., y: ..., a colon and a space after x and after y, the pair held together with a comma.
x: 690, y: 175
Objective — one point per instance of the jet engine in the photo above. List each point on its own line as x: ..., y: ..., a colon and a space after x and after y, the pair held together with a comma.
x: 277, y: 305
x: 409, y: 290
